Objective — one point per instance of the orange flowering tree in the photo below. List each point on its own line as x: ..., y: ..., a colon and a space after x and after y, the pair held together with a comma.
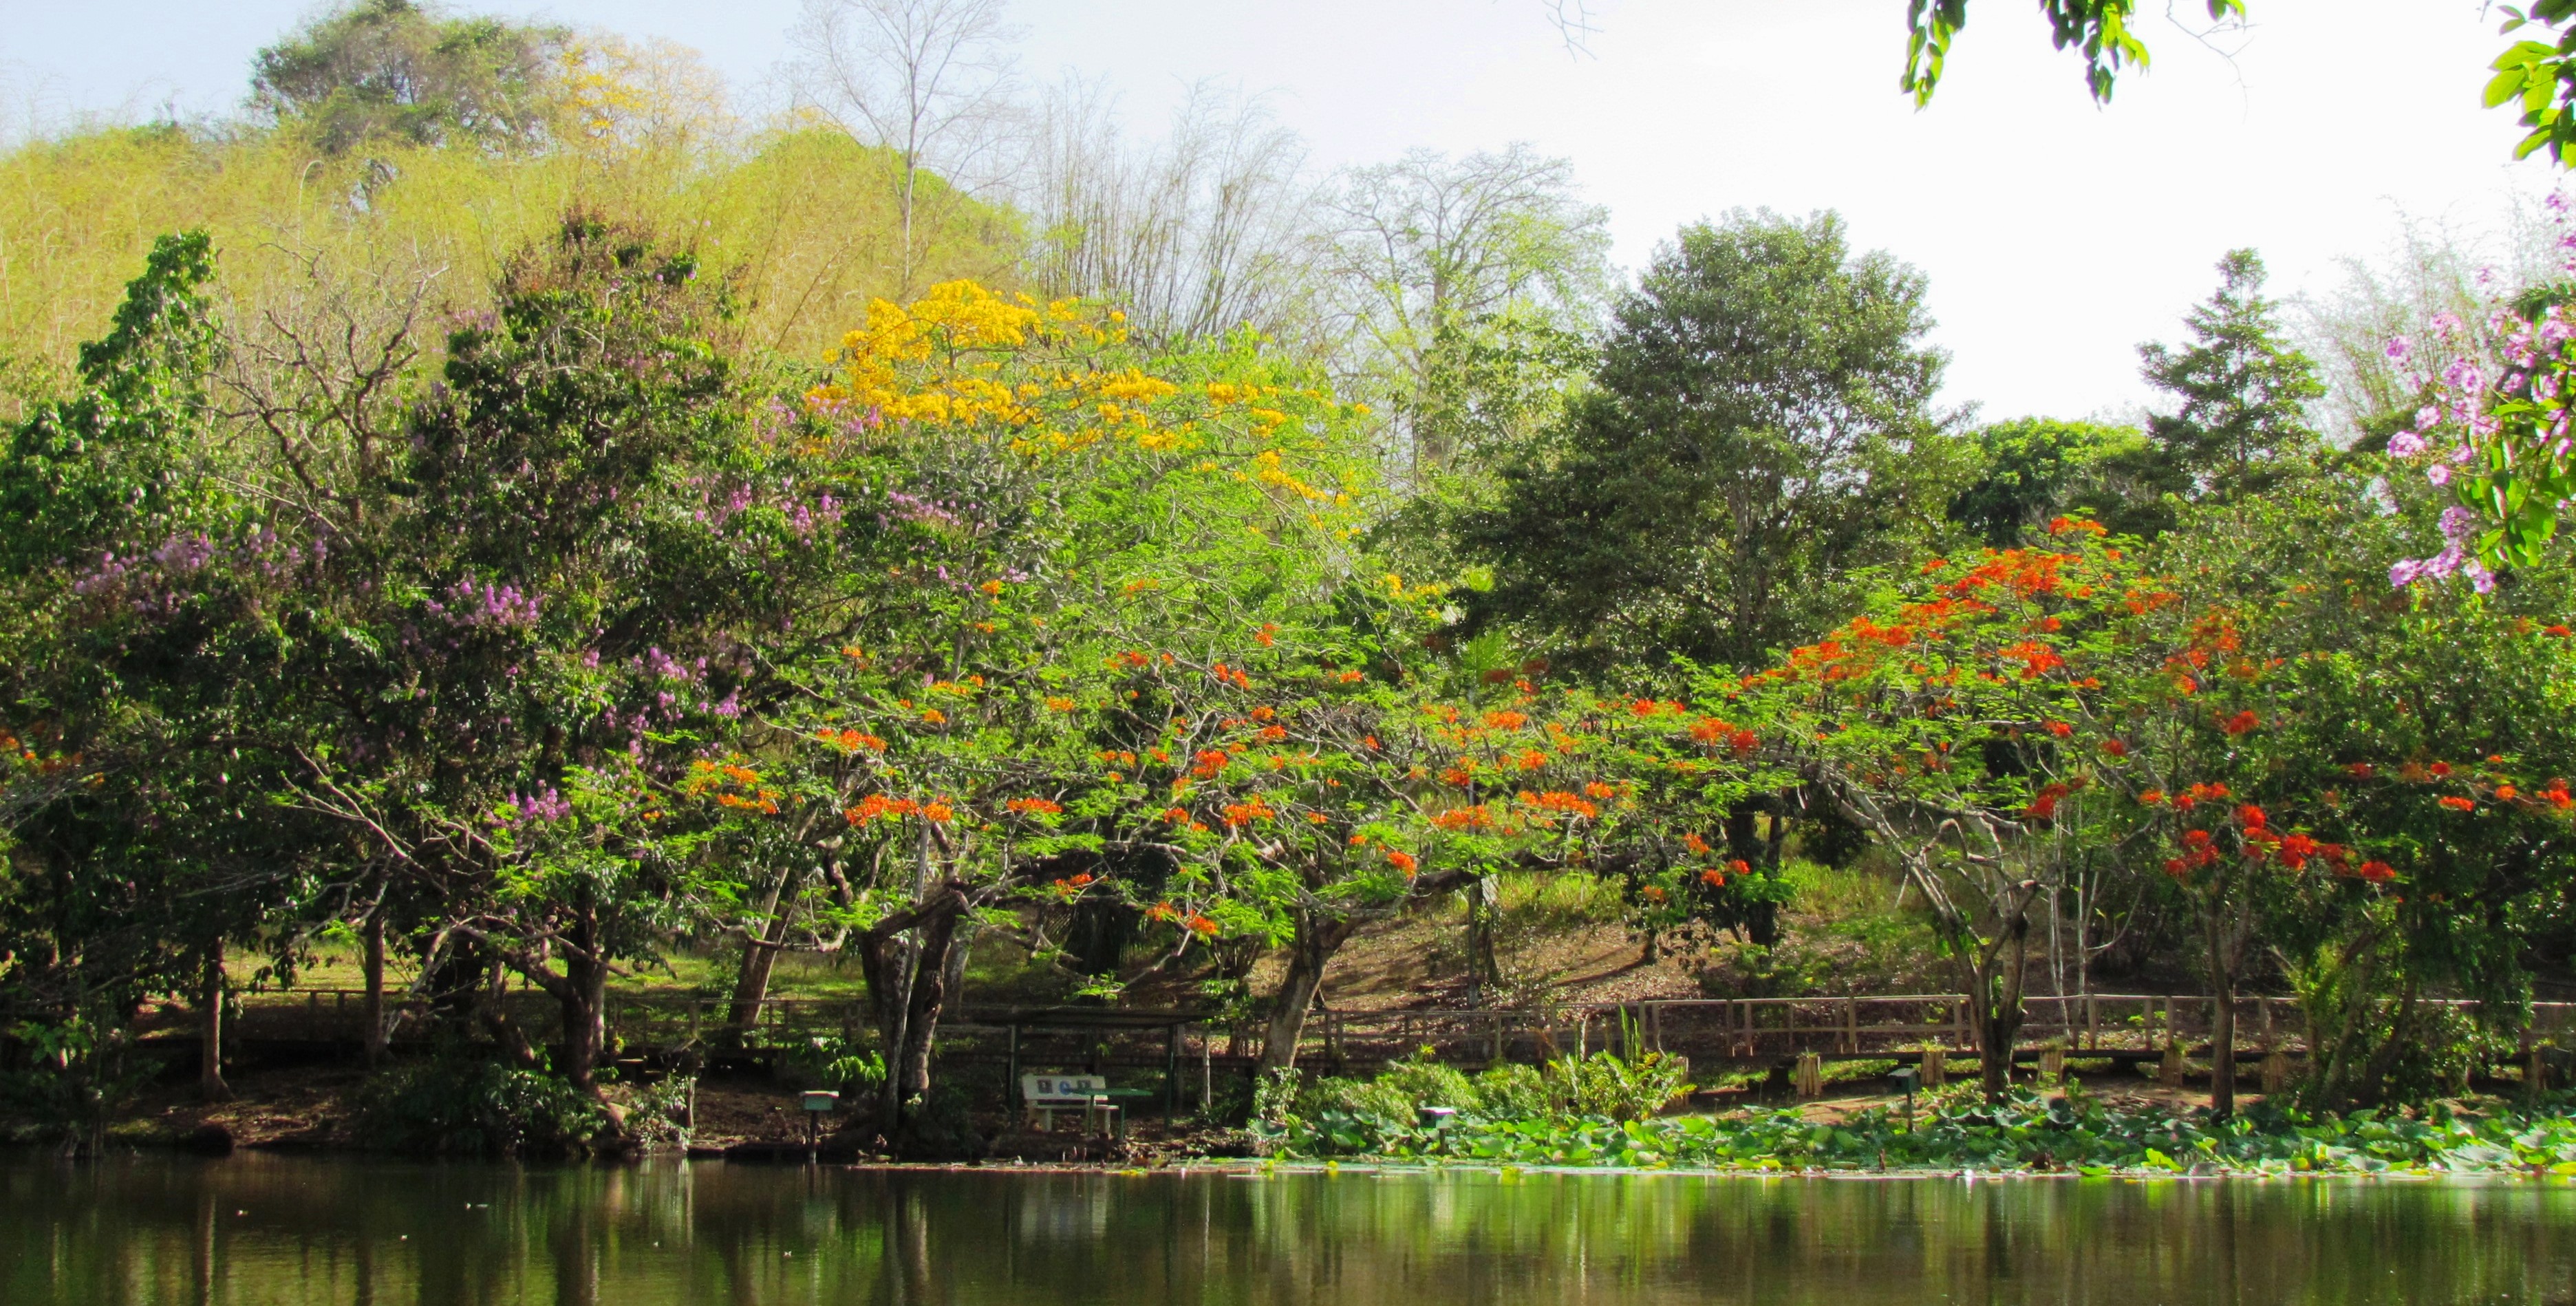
x: 1952, y: 722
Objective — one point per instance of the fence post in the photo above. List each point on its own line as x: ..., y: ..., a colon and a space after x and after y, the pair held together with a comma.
x: 1810, y: 1075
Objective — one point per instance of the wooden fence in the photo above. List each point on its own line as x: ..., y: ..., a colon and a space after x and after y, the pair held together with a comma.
x: 1747, y: 1030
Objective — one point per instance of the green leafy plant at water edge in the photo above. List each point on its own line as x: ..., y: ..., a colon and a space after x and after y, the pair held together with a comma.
x: 466, y: 1107
x: 2025, y: 1133
x: 1335, y: 1116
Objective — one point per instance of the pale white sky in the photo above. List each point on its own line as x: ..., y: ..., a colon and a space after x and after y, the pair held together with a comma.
x: 2056, y: 236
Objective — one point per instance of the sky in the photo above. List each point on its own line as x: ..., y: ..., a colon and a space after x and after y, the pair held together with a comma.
x: 2056, y: 236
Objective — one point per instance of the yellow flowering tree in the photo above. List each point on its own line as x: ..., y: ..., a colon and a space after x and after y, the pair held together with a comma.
x: 1031, y: 512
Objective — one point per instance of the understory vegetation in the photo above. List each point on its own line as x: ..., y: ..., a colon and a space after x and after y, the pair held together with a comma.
x: 523, y: 533
x: 1954, y: 1129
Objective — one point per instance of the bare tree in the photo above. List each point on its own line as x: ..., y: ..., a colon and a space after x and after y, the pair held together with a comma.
x: 1206, y: 231
x: 1436, y: 258
x: 926, y: 80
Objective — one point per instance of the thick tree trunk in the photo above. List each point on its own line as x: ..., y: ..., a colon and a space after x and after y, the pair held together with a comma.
x: 2223, y: 949
x: 372, y: 1010
x: 583, y: 997
x: 210, y: 1018
x: 906, y: 959
x: 1310, y: 950
x: 910, y: 1071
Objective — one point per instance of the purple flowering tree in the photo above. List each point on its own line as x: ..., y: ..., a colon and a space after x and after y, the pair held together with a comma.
x: 2495, y: 437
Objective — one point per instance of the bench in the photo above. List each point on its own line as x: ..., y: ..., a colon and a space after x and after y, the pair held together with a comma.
x: 1045, y: 1095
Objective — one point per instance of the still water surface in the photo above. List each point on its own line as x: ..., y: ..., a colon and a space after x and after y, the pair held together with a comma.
x: 257, y: 1231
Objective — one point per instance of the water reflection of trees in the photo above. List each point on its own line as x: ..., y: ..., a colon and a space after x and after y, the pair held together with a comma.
x: 270, y: 1230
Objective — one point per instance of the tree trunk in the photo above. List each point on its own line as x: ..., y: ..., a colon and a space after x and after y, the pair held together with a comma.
x: 584, y: 998
x: 2222, y: 1017
x: 2222, y: 1050
x: 210, y: 1016
x: 582, y: 995
x: 373, y: 1009
x: 760, y: 956
x: 905, y: 958
x: 1310, y: 950
x: 911, y: 1071
x: 1999, y: 1015
x: 1744, y: 841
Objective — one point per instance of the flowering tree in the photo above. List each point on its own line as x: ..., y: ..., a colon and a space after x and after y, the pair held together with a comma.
x: 2374, y: 791
x: 1954, y: 723
x: 2492, y: 437
x: 1059, y: 548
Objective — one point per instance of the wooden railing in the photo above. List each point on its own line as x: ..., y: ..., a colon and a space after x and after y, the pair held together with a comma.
x: 1755, y: 1029
x: 2127, y: 1026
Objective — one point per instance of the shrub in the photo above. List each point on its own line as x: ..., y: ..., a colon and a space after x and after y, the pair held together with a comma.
x: 461, y: 1106
x: 1617, y: 1088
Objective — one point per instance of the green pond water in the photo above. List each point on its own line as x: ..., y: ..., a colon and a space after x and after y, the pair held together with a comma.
x: 260, y: 1229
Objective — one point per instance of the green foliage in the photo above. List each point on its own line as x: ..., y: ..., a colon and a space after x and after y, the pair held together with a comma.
x: 2538, y: 78
x: 463, y: 1106
x: 1353, y: 1116
x: 2074, y: 1132
x: 1614, y: 1087
x: 2036, y: 469
x: 82, y: 472
x: 2103, y: 32
x: 1473, y: 283
x: 387, y: 68
x: 1760, y: 432
x: 2243, y: 391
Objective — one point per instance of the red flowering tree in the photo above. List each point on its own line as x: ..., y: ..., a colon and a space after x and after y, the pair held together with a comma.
x: 2372, y: 788
x: 1956, y: 722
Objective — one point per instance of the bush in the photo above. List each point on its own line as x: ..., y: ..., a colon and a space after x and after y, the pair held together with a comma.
x: 660, y: 1114
x: 1335, y: 1116
x: 1610, y: 1087
x: 461, y: 1106
x: 1513, y: 1092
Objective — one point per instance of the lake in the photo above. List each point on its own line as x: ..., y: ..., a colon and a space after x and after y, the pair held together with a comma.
x: 259, y: 1230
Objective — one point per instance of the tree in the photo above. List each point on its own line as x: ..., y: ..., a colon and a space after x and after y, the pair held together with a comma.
x: 2036, y: 469
x: 1202, y: 234
x: 389, y: 68
x: 1948, y: 722
x: 141, y: 667
x: 2382, y: 810
x: 1760, y: 431
x: 1472, y: 283
x: 922, y: 79
x: 2243, y: 391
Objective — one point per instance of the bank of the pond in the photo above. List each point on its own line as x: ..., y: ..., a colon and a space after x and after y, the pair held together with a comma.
x: 2065, y: 1133
x: 2063, y: 1130
x: 479, y: 1108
